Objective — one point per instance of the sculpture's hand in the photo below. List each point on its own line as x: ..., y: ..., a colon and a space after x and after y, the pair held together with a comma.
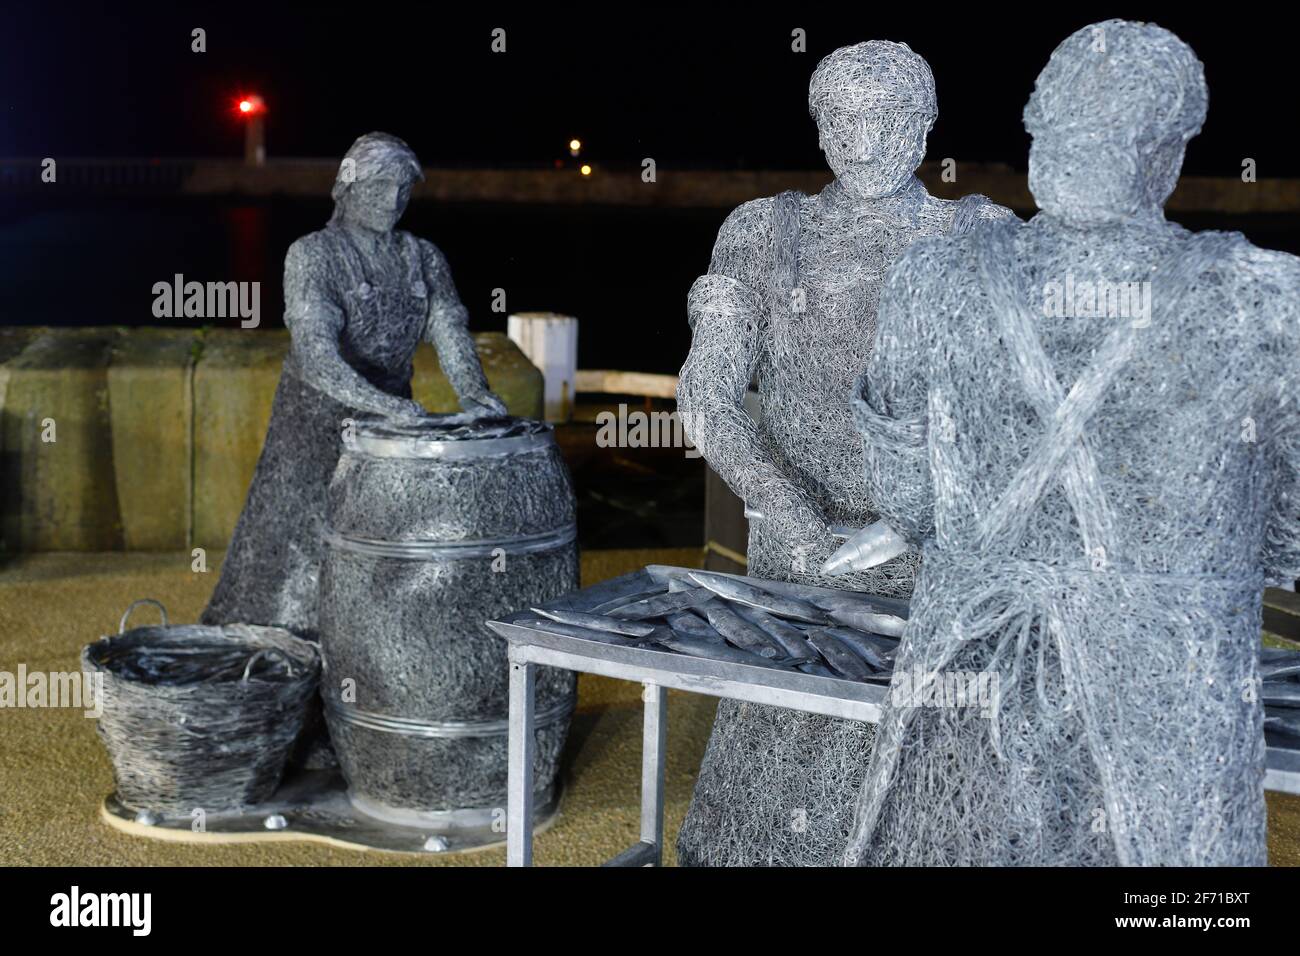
x: 873, y: 545
x: 797, y: 518
x: 483, y: 405
x: 407, y: 412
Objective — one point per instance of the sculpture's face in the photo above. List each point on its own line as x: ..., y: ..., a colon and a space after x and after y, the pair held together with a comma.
x: 1088, y: 177
x: 1093, y: 177
x: 1111, y: 115
x: 377, y: 203
x: 873, y: 153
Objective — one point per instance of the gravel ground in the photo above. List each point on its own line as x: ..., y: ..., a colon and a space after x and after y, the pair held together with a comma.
x: 54, y: 774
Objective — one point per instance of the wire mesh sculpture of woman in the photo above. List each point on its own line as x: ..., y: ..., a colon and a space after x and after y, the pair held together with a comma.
x: 360, y: 295
x: 1091, y: 421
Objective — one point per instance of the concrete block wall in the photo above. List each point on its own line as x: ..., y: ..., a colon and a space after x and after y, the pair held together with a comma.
x: 146, y: 438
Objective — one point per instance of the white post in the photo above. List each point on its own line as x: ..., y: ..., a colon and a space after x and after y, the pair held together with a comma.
x: 550, y: 341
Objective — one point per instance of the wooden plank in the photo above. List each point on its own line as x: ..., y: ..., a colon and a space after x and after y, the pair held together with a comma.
x: 609, y: 382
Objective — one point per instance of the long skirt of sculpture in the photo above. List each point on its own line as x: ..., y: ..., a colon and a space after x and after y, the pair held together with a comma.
x: 1091, y: 421
x: 790, y: 297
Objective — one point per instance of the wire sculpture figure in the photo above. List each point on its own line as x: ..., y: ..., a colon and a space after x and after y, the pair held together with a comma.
x: 790, y: 298
x: 1091, y: 422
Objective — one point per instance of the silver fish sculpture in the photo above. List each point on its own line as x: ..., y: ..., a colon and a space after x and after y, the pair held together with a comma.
x: 1281, y: 721
x: 690, y: 624
x: 888, y: 646
x: 585, y: 633
x: 861, y: 615
x: 742, y: 592
x: 741, y: 633
x: 1273, y: 667
x: 857, y: 642
x: 625, y: 599
x: 597, y: 622
x: 1280, y: 693
x: 817, y: 668
x: 842, y: 660
x: 663, y: 604
x: 700, y: 647
x: 791, y: 639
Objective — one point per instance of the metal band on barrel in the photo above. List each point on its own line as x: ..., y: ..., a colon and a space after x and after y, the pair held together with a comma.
x: 478, y: 548
x: 445, y: 728
x: 376, y: 446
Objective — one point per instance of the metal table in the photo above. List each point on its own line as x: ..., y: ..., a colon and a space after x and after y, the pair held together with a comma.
x: 658, y: 670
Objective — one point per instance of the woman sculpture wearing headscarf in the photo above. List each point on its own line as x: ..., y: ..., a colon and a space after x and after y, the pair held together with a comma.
x: 1091, y: 421
x: 359, y: 297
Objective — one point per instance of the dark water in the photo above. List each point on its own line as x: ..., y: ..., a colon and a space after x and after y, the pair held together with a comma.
x: 623, y: 272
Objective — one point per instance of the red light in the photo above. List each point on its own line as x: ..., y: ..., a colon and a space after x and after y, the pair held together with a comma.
x: 251, y: 105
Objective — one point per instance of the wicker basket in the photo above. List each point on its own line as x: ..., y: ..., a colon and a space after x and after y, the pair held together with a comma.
x: 200, y: 717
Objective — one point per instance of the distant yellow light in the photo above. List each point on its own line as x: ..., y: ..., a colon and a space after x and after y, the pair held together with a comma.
x: 575, y: 144
x: 586, y: 170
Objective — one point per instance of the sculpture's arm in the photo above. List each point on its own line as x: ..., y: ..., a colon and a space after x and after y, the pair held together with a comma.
x: 448, y: 330
x: 889, y: 402
x: 315, y: 320
x: 1277, y: 285
x: 727, y: 316
x: 973, y: 209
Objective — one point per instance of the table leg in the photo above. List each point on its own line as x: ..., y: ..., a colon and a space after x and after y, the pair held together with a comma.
x: 522, y: 742
x: 652, y: 768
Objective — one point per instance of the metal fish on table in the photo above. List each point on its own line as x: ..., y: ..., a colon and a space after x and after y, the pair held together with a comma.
x: 690, y: 624
x: 585, y: 633
x: 625, y: 599
x: 700, y: 647
x: 597, y: 622
x: 791, y: 639
x: 1273, y: 667
x: 743, y: 592
x: 741, y: 633
x: 864, y: 648
x: 842, y: 660
x: 663, y: 604
x: 1282, y: 722
x: 861, y: 615
x: 1280, y: 693
x: 817, y: 668
x: 887, y: 646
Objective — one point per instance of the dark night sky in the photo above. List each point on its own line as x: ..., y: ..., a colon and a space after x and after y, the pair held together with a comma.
x: 690, y: 87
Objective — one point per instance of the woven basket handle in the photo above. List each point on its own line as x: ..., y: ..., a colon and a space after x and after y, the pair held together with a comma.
x: 121, y: 626
x: 268, y: 652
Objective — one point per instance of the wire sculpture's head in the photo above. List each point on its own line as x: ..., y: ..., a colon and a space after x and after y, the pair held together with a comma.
x: 1110, y: 117
x: 374, y: 182
x: 874, y: 104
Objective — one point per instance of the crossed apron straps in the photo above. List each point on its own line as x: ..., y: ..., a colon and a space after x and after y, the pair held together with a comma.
x: 1061, y: 451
